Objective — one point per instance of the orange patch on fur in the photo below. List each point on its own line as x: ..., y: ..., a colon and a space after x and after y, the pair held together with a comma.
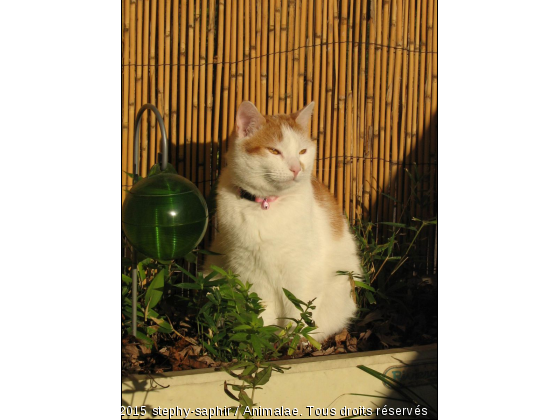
x: 269, y: 134
x: 328, y: 202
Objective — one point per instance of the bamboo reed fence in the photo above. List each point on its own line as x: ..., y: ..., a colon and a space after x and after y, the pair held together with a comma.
x: 369, y: 65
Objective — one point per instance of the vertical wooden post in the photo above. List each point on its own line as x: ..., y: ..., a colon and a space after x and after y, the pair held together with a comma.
x: 220, y: 74
x: 153, y: 88
x: 172, y: 128
x: 126, y: 76
x: 182, y: 88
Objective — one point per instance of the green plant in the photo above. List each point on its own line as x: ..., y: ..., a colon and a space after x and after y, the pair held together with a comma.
x: 227, y: 321
x: 233, y: 330
x: 381, y: 261
x: 396, y: 304
x: 151, y: 277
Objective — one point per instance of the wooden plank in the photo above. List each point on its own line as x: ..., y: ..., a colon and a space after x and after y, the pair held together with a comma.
x: 167, y: 71
x: 189, y: 149
x: 341, y: 102
x: 195, y: 95
x: 153, y: 87
x: 220, y: 75
x: 145, y: 58
x: 319, y: 111
x: 132, y: 87
x: 173, y: 127
x: 290, y: 55
x: 202, y: 162
x: 126, y: 78
x: 208, y: 136
x: 182, y: 89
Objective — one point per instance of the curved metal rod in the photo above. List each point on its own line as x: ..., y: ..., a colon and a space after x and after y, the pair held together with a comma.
x: 137, y: 138
x: 136, y: 173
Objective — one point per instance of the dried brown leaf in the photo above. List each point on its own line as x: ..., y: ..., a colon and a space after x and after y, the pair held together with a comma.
x: 340, y: 337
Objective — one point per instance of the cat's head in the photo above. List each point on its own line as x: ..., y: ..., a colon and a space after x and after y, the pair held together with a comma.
x: 271, y: 154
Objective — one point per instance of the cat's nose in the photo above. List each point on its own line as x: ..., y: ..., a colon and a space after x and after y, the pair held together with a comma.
x: 295, y: 170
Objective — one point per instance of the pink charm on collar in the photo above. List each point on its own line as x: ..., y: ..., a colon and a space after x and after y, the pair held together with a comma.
x: 265, y: 201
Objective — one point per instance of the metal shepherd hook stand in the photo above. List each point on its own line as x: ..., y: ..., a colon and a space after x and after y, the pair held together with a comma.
x: 136, y: 174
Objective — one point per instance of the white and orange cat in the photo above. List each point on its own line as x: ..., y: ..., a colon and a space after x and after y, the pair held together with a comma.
x: 278, y: 227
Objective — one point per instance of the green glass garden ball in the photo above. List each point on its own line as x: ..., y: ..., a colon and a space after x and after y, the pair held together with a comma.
x: 164, y: 216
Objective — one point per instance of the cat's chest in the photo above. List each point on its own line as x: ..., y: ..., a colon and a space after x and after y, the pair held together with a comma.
x: 285, y: 222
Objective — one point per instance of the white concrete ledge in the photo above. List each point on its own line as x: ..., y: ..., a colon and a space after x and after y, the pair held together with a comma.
x: 319, y: 382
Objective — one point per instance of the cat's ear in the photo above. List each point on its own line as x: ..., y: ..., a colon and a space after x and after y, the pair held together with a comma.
x: 303, y: 116
x: 248, y: 119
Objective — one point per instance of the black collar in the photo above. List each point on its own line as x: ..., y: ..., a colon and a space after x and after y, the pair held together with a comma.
x: 246, y: 195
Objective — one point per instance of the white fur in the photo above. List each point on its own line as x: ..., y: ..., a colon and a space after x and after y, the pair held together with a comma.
x: 291, y: 245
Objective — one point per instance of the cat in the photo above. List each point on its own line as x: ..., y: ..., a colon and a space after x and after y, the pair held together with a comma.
x: 279, y: 227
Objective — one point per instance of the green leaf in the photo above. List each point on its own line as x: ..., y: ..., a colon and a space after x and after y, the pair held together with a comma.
x: 212, y: 299
x: 307, y: 319
x: 186, y: 272
x: 242, y: 328
x: 400, y: 225
x: 190, y: 257
x: 307, y: 330
x: 218, y: 337
x: 263, y: 376
x: 214, y: 283
x: 313, y: 342
x: 297, y: 303
x: 154, y: 170
x: 257, y: 346
x: 219, y: 270
x: 189, y: 286
x: 244, y: 399
x: 131, y: 175
x: 126, y: 279
x: 391, y: 243
x: 268, y: 330
x: 155, y: 290
x: 238, y: 365
x: 249, y: 370
x: 293, y: 346
x: 206, y: 252
x: 361, y: 284
x: 239, y: 337
x: 210, y: 322
x: 164, y: 326
x: 141, y: 270
x: 209, y: 348
x: 275, y: 367
x: 141, y: 336
x: 210, y: 276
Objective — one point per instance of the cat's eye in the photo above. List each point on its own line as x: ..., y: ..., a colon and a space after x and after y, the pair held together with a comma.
x: 302, y: 152
x: 273, y: 151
